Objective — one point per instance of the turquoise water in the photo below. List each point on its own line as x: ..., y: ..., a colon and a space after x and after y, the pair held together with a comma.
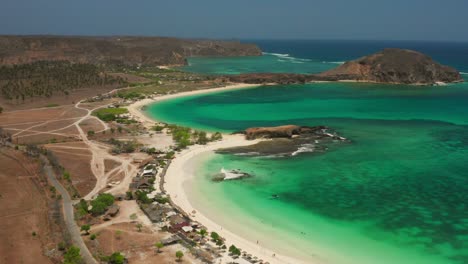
x: 397, y: 193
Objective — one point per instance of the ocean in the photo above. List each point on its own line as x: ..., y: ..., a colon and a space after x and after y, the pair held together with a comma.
x: 397, y: 192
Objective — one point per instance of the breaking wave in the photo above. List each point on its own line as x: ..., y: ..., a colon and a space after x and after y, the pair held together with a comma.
x: 334, y: 62
x: 464, y: 73
x: 286, y: 57
x: 303, y: 149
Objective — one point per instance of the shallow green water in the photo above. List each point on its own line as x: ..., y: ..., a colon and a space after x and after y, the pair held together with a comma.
x: 398, y: 193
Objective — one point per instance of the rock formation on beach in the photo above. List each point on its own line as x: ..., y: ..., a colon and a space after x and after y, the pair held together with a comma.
x: 151, y: 51
x: 395, y: 66
x: 398, y: 66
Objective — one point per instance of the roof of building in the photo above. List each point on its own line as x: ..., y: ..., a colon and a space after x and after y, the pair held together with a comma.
x: 187, y: 229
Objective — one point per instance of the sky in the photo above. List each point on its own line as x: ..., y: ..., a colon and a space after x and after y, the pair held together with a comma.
x: 438, y: 20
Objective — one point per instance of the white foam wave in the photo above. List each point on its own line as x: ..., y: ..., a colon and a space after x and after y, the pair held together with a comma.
x: 284, y: 57
x: 232, y: 174
x: 464, y: 73
x: 304, y: 148
x: 247, y: 154
x: 334, y: 62
x: 276, y: 54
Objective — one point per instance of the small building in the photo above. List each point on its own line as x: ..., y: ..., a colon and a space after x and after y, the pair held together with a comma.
x: 155, y: 212
x: 139, y: 183
x: 170, y: 213
x: 149, y: 172
x: 187, y: 229
x: 177, y: 222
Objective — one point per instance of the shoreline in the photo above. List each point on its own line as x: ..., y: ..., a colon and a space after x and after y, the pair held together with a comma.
x: 181, y: 170
x: 135, y: 108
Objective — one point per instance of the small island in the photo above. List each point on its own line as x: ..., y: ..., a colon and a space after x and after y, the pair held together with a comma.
x: 395, y: 66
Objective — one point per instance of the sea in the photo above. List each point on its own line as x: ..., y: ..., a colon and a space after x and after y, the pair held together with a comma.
x: 396, y: 192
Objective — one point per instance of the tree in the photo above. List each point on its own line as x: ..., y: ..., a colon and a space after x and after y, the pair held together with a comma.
x: 219, y: 242
x: 86, y: 228
x: 203, y: 233
x: 98, y: 207
x: 234, y: 250
x: 91, y: 133
x: 179, y: 254
x: 72, y: 256
x: 100, y: 204
x: 159, y: 245
x: 93, y: 237
x: 214, y: 236
x: 116, y: 258
x: 202, y: 138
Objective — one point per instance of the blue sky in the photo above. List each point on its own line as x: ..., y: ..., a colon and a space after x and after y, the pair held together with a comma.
x: 441, y: 20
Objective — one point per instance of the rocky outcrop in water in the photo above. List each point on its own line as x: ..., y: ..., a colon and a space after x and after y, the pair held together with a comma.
x: 287, y: 131
x: 288, y: 140
x: 151, y: 51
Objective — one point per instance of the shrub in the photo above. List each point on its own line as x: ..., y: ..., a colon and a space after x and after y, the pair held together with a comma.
x: 116, y: 258
x: 100, y: 204
x: 66, y: 176
x: 61, y: 246
x: 72, y: 256
x: 216, y: 136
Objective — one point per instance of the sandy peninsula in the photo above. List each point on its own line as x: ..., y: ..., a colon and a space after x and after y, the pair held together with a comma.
x: 183, y: 167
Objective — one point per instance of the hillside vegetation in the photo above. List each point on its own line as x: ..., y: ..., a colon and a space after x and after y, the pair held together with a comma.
x: 44, y: 79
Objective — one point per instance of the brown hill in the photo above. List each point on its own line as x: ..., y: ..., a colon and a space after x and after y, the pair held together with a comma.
x: 151, y: 51
x: 395, y: 66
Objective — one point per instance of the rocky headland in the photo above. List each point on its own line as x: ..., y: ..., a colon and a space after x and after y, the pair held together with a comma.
x: 149, y: 51
x: 397, y: 66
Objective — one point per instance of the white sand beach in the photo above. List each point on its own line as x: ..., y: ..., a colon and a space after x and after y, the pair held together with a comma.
x: 135, y: 108
x: 183, y: 168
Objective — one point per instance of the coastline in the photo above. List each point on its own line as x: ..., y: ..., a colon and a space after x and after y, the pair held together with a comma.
x: 182, y: 170
x: 135, y: 108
